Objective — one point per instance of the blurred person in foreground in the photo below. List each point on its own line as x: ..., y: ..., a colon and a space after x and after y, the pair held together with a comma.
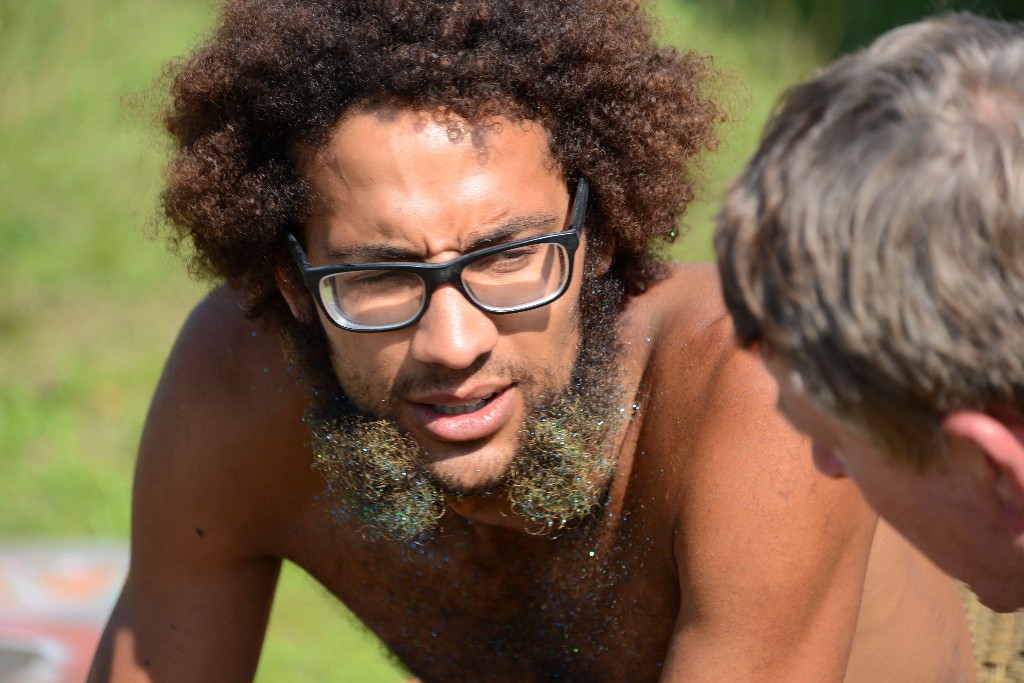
x: 873, y: 251
x: 441, y: 373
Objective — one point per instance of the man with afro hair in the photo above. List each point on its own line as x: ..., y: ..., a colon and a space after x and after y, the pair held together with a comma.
x: 446, y: 370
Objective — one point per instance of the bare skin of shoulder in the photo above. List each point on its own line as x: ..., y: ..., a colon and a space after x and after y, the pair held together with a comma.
x: 720, y: 553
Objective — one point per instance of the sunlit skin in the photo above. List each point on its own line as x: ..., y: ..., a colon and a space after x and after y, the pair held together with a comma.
x: 949, y: 511
x: 718, y: 552
x: 393, y: 185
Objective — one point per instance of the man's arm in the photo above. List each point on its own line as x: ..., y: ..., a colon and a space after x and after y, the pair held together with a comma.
x: 771, y: 555
x: 207, y: 491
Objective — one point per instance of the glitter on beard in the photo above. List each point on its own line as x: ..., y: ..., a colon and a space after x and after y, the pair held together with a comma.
x: 374, y: 471
x: 559, y: 475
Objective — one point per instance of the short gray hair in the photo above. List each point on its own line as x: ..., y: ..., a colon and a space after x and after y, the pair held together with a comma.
x: 876, y: 239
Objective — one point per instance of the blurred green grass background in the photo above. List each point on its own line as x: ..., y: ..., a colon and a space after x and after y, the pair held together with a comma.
x: 92, y: 299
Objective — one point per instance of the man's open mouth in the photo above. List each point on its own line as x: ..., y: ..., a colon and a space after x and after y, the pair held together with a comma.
x: 448, y: 418
x: 462, y: 409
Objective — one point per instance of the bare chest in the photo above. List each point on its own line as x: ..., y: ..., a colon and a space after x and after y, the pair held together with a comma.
x: 571, y: 608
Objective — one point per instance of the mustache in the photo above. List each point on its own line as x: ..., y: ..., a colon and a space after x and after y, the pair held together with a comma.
x: 439, y: 379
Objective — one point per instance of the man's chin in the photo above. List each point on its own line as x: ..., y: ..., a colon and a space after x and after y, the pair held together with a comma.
x: 468, y: 475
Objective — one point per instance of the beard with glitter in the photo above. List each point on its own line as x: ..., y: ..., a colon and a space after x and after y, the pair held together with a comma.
x: 560, y: 472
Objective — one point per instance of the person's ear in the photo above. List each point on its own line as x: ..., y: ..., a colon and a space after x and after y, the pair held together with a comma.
x: 604, y: 258
x: 294, y: 291
x: 1003, y: 446
x: 599, y: 256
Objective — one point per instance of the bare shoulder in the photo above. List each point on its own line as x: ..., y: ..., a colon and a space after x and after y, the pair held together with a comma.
x: 763, y: 545
x: 710, y: 408
x: 224, y: 429
x: 685, y: 308
x: 713, y: 406
x: 695, y: 358
x: 219, y: 345
x: 221, y: 472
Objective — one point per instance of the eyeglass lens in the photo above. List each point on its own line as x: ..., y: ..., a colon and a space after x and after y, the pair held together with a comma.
x: 502, y: 282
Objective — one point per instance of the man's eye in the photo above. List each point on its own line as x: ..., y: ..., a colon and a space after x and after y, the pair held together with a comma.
x: 378, y: 279
x: 368, y: 276
x: 508, y: 260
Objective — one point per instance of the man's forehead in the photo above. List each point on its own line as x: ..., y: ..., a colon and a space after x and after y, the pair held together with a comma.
x: 415, y: 154
x: 434, y: 130
x: 425, y: 183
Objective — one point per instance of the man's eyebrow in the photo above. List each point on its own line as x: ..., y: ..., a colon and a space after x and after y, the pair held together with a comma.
x: 515, y: 228
x: 506, y: 232
x: 368, y: 253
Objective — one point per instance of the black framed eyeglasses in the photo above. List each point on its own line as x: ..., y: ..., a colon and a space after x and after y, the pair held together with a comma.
x: 507, y: 278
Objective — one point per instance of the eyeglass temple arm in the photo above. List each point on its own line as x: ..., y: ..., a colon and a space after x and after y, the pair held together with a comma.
x: 579, y: 203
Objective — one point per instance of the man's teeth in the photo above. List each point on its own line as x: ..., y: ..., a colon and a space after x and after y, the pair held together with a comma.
x: 461, y: 410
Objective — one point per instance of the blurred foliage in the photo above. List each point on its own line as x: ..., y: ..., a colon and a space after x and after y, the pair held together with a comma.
x: 840, y: 26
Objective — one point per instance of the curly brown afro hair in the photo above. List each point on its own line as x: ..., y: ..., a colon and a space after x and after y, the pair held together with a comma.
x: 277, y: 74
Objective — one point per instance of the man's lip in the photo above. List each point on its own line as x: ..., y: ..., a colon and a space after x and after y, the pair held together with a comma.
x: 461, y: 408
x: 461, y: 396
x: 494, y: 410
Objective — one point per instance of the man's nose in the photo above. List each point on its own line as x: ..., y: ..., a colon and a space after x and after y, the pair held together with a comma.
x: 453, y: 332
